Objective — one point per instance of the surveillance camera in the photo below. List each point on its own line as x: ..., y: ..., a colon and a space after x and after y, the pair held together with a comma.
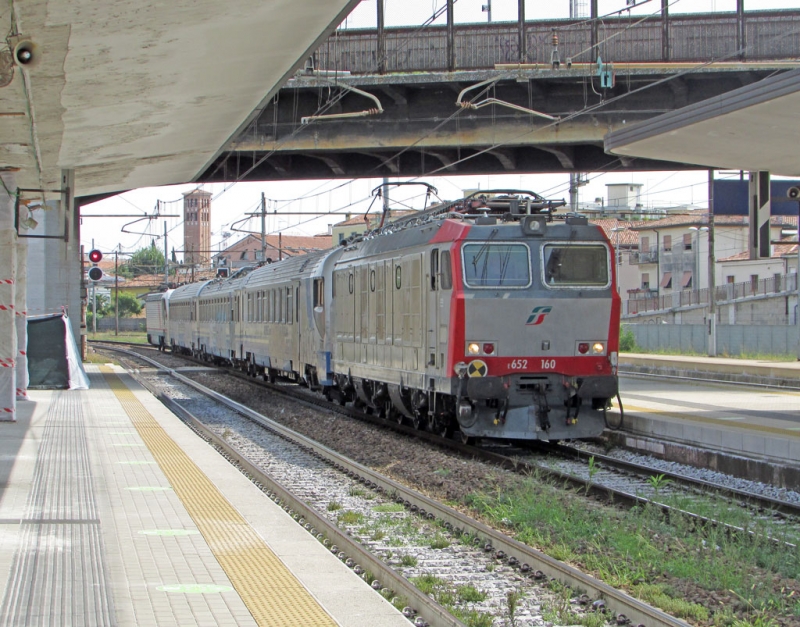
x: 793, y: 193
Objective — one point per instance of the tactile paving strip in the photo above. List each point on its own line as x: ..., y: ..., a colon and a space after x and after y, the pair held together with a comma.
x: 59, y: 574
x: 269, y: 590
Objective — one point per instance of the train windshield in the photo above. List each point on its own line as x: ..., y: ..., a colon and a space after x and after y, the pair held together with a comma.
x: 496, y: 265
x: 571, y: 265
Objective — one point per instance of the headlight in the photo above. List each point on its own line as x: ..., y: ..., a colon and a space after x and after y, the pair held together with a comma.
x: 598, y: 348
x: 473, y: 348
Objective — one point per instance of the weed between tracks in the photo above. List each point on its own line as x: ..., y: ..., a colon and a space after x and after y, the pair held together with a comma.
x: 704, y: 576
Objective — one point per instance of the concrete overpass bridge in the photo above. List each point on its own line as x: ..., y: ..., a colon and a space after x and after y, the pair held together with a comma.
x: 545, y: 104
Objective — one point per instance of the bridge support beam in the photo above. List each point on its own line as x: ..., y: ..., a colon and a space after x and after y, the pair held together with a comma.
x: 8, y: 277
x: 523, y: 42
x: 741, y: 30
x: 760, y: 210
x: 451, y: 37
x: 381, y: 39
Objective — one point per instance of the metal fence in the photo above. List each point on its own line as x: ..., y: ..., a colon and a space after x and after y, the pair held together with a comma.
x: 733, y: 340
x: 125, y: 324
x: 769, y: 35
x: 724, y: 293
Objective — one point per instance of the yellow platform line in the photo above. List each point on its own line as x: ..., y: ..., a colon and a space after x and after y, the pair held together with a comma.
x: 270, y: 591
x: 716, y: 422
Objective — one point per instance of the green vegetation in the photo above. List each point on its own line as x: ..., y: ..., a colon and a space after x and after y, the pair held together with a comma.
x: 454, y: 598
x: 350, y: 517
x: 408, y: 560
x: 140, y: 337
x: 389, y: 508
x: 128, y: 306
x: 333, y: 506
x: 147, y: 260
x: 439, y: 542
x: 661, y: 560
x: 627, y: 341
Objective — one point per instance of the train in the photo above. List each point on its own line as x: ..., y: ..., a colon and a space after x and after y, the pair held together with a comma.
x: 489, y: 317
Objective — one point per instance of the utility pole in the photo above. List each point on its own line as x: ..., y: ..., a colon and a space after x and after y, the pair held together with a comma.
x: 94, y: 302
x: 264, y: 228
x: 712, y: 279
x: 166, y: 259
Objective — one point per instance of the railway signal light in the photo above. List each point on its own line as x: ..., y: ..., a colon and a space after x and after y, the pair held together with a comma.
x: 95, y: 273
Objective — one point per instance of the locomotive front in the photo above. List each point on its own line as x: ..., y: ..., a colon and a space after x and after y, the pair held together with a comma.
x: 534, y: 328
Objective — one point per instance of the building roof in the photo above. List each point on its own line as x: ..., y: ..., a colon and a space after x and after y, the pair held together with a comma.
x: 290, y: 244
x: 701, y: 219
x: 786, y: 248
x: 625, y: 238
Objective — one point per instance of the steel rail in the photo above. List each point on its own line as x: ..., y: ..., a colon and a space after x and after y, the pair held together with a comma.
x: 615, y: 600
x: 589, y: 487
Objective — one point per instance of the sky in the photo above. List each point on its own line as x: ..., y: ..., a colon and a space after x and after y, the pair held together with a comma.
x: 231, y: 202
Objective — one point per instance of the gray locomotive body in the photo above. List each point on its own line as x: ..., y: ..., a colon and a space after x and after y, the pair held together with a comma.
x: 500, y: 324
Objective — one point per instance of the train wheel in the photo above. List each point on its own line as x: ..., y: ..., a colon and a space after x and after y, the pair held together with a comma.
x: 416, y: 421
x: 271, y: 376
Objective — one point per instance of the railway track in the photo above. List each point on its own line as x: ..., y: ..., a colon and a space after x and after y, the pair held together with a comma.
x: 494, y: 553
x: 601, y: 476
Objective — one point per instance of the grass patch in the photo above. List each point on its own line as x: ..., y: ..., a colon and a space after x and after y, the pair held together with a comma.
x: 350, y: 517
x: 439, y: 542
x: 139, y: 337
x: 357, y: 491
x: 93, y: 357
x: 333, y: 506
x: 470, y: 594
x: 644, y: 553
x: 408, y: 560
x: 389, y: 508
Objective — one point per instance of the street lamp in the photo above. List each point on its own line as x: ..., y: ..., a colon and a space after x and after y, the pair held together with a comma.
x: 696, y: 273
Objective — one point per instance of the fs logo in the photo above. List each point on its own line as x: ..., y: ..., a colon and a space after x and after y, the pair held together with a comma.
x: 538, y: 314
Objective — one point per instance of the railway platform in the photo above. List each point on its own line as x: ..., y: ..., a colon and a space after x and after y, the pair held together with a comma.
x: 753, y: 432
x: 112, y: 512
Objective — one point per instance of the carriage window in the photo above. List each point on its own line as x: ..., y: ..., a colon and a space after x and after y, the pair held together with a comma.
x: 496, y: 265
x: 319, y: 293
x: 446, y: 281
x: 570, y: 265
x: 434, y: 269
x: 397, y: 276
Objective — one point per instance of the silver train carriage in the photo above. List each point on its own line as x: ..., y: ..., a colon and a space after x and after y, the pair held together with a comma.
x: 492, y: 317
x: 156, y: 314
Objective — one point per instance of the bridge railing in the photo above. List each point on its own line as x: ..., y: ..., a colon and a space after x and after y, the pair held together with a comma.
x: 769, y: 35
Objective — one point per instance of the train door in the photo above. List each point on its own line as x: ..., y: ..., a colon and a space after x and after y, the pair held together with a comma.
x: 432, y: 305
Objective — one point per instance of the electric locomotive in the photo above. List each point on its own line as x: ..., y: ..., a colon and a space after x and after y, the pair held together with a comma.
x: 490, y: 315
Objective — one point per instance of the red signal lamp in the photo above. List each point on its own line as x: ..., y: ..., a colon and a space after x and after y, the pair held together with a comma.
x: 95, y: 256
